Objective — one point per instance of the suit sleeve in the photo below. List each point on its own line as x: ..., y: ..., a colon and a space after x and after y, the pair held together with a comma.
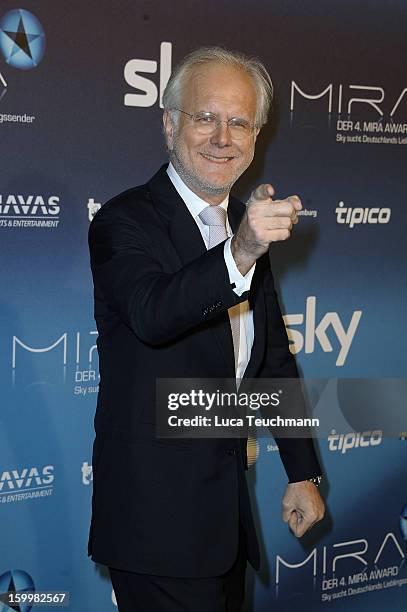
x: 297, y: 454
x: 157, y: 306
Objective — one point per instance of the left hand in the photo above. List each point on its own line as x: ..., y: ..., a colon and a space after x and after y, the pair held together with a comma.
x: 302, y: 506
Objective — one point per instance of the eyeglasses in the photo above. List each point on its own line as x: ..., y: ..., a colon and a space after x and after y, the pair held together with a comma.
x: 206, y: 123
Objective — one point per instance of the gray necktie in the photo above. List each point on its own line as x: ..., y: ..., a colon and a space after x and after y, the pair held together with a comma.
x: 215, y: 218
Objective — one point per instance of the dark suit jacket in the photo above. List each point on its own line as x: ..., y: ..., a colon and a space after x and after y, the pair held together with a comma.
x: 163, y: 506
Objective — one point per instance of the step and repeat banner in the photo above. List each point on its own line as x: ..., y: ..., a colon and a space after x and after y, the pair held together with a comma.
x: 80, y: 120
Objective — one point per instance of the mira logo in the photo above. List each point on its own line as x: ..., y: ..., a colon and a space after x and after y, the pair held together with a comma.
x: 26, y: 483
x: 150, y: 92
x: 313, y: 330
x: 83, y: 345
x: 358, y: 215
x: 344, y: 98
x: 346, y: 550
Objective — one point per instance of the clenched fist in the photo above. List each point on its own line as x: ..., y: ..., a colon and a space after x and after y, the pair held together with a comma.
x: 265, y: 221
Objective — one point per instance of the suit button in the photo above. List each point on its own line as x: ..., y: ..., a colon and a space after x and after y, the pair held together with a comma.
x: 231, y: 451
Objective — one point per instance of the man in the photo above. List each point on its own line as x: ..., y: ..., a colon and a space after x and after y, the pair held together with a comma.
x: 176, y: 297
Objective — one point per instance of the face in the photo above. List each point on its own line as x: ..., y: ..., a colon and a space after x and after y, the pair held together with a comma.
x: 211, y: 164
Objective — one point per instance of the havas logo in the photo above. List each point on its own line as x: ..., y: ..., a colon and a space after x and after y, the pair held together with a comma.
x: 151, y: 92
x: 337, y: 96
x: 27, y: 478
x: 389, y: 542
x: 331, y: 320
x: 358, y: 215
x: 29, y: 205
x: 29, y: 211
x: 345, y: 442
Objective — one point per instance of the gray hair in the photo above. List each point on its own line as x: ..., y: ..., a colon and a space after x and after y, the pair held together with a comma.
x: 204, y: 55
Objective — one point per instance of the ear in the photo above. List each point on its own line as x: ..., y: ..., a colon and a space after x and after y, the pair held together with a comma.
x: 256, y: 133
x: 169, y: 128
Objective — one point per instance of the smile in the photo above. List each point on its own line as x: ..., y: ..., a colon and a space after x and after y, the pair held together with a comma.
x: 217, y: 160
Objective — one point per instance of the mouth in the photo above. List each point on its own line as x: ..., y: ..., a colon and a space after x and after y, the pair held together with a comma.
x: 217, y: 159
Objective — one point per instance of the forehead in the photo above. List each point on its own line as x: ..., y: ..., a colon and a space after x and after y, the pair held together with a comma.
x: 219, y: 89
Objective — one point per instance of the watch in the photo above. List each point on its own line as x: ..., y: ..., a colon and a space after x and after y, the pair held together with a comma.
x: 316, y: 480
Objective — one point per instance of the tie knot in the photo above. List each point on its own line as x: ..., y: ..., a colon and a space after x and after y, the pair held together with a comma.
x: 213, y: 215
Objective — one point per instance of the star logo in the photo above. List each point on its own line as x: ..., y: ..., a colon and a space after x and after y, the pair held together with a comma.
x: 15, y: 581
x: 22, y: 39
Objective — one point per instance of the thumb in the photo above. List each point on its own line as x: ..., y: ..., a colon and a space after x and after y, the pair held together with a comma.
x: 287, y: 514
x: 262, y: 192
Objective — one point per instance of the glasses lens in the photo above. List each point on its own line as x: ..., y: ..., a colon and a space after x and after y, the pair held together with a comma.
x: 207, y: 123
x: 239, y: 128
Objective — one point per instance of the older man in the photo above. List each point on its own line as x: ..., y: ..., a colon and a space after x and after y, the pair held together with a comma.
x: 183, y: 289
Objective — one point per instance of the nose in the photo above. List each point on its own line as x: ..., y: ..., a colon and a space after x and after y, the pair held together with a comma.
x: 221, y: 137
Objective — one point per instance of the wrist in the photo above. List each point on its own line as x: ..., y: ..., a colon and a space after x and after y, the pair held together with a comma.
x: 244, y: 260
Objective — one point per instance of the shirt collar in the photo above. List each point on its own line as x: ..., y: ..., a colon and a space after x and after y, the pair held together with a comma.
x: 194, y: 203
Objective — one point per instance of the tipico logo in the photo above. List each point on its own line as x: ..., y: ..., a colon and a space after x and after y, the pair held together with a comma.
x: 93, y: 207
x: 345, y: 442
x: 361, y: 215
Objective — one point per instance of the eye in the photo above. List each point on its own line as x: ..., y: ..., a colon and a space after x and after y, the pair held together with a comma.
x: 205, y: 118
x: 239, y: 124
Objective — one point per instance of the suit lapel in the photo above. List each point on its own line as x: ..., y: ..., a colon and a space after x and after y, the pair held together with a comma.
x: 189, y: 244
x: 257, y: 303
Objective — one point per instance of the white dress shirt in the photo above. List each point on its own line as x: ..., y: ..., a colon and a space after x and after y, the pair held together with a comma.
x: 195, y: 205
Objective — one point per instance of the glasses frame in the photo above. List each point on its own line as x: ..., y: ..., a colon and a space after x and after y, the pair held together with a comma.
x: 252, y: 126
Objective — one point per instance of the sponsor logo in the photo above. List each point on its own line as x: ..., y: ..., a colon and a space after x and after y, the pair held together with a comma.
x: 361, y: 99
x: 83, y: 348
x: 307, y: 212
x: 329, y: 559
x: 26, y: 483
x: 339, y: 98
x: 135, y: 68
x: 29, y: 211
x: 93, y: 207
x: 22, y: 39
x: 358, y: 215
x: 312, y: 331
x: 87, y: 473
x: 16, y: 581
x: 77, y: 348
x: 345, y: 442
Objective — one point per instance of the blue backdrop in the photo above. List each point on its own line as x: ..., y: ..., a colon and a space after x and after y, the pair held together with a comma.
x: 80, y: 120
